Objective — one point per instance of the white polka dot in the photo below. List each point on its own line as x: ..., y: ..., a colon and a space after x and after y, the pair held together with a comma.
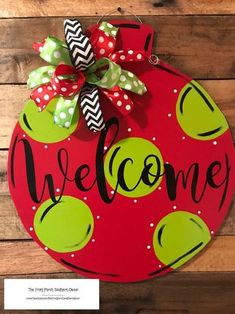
x: 40, y: 49
x: 32, y: 84
x: 55, y: 119
x: 102, y: 51
x: 107, y: 34
x: 59, y: 105
x: 114, y: 32
x: 46, y: 97
x: 128, y: 107
x: 45, y: 80
x: 139, y: 56
x: 130, y: 74
x: 101, y: 39
x: 116, y: 94
x: 128, y: 86
x: 101, y: 27
x: 47, y: 58
x: 125, y: 97
x: 122, y: 57
x: 151, y: 225
x: 110, y: 44
x: 31, y: 228
x: 140, y: 91
x: 67, y: 102
x: 109, y: 25
x: 63, y: 89
x: 135, y: 83
x: 72, y: 255
x: 57, y: 54
x: 56, y: 80
x: 130, y: 52
x: 148, y: 247
x: 75, y: 87
x: 62, y: 115
x: 33, y: 207
x: 39, y: 109
x: 104, y: 79
x: 54, y: 87
x: 175, y: 91
x: 129, y: 130
x: 119, y: 103
x: 122, y: 78
x: 71, y: 111
x: 38, y: 100
x: 215, y: 143
x: 140, y: 82
x: 67, y: 124
x: 70, y: 94
x: 49, y: 87
x: 39, y: 90
x: 113, y: 76
x: 57, y: 190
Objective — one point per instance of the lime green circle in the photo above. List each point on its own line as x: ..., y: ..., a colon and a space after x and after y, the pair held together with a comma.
x: 178, y: 237
x: 198, y: 114
x: 67, y: 226
x: 39, y: 125
x: 137, y: 149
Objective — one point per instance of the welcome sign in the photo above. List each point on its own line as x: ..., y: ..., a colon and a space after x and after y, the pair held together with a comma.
x: 141, y: 197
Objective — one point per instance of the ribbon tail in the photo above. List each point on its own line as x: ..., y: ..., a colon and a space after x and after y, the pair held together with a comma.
x: 120, y: 99
x: 90, y: 105
x: 42, y: 95
x: 65, y: 111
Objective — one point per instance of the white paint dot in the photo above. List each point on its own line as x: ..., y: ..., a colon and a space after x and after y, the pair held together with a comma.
x: 113, y: 76
x: 148, y: 247
x: 160, y: 188
x: 45, y: 146
x: 56, y: 80
x: 129, y: 130
x: 57, y: 54
x: 212, y: 232
x: 152, y: 225
x: 215, y: 143
x: 98, y: 217
x: 93, y: 240
x: 33, y: 207
x: 101, y: 39
x: 130, y: 74
x: 31, y: 228
x: 135, y: 201
x: 169, y: 115
x: 40, y: 49
x: 154, y: 138
x: 62, y: 115
x: 175, y: 90
x: 85, y: 198
x: 67, y: 124
x: 24, y: 135
x: 69, y: 139
x: 174, y: 207
x: 72, y: 255
x: 54, y: 87
x: 105, y: 147
x: 114, y: 33
x: 159, y: 266
x: 183, y: 137
x: 46, y: 248
x: 32, y: 84
x: 128, y: 107
x: 199, y: 212
x: 109, y: 25
x: 112, y: 192
x: 57, y: 190
x: 47, y: 58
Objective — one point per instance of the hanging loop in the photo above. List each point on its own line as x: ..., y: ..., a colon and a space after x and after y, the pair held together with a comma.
x: 121, y: 11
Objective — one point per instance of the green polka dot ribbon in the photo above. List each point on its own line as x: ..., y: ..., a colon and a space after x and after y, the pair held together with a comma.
x: 80, y: 75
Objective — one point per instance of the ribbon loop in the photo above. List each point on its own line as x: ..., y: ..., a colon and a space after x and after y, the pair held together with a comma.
x: 40, y: 76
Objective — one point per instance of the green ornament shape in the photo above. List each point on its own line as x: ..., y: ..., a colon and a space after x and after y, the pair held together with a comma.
x: 198, y: 114
x: 178, y: 237
x: 65, y: 226
x: 137, y: 149
x: 40, y: 126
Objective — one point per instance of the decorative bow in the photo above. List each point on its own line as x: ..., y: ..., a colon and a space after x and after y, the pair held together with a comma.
x: 78, y: 68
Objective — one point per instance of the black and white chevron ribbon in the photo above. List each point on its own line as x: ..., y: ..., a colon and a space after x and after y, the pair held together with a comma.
x: 89, y: 102
x: 80, y: 48
x: 82, y: 57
